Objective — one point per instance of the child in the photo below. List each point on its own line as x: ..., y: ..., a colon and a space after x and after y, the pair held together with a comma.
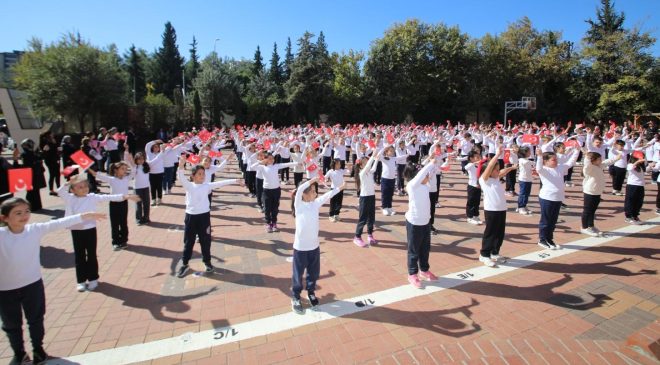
x: 417, y: 222
x: 141, y: 187
x: 156, y: 170
x: 619, y: 168
x: 78, y: 199
x: 336, y: 178
x: 510, y: 189
x: 197, y: 222
x: 272, y: 191
x: 388, y: 175
x: 367, y: 206
x: 634, y: 189
x: 306, y: 252
x: 552, y: 193
x: 524, y: 179
x: 494, y: 209
x: 592, y: 187
x: 401, y: 151
x: 473, y: 190
x: 118, y: 178
x: 21, y: 286
x: 299, y: 169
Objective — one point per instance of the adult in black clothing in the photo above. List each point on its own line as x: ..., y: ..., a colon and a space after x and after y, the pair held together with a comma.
x: 131, y: 142
x: 51, y: 156
x: 4, y: 181
x: 67, y: 150
x: 31, y: 158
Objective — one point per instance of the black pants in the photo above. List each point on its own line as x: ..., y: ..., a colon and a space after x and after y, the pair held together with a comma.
x: 434, y: 199
x: 378, y: 172
x: 271, y: 199
x: 654, y: 177
x: 251, y: 181
x: 197, y: 225
x: 284, y: 173
x: 399, y: 177
x: 142, y: 207
x: 353, y: 160
x: 569, y: 175
x: 34, y: 198
x: 493, y: 233
x: 84, y: 249
x: 326, y: 164
x: 336, y: 203
x: 259, y: 191
x: 367, y: 215
x: 53, y: 174
x: 30, y: 299
x: 118, y: 224
x: 511, y: 180
x: 342, y: 164
x: 297, y: 178
x: 634, y: 200
x: 419, y: 246
x: 309, y: 261
x: 156, y: 182
x: 591, y: 203
x: 473, y: 201
x: 114, y: 156
x: 618, y: 177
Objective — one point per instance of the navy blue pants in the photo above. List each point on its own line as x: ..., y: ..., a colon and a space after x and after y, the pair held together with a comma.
x: 367, y: 215
x: 634, y: 200
x: 419, y: 246
x: 549, y: 216
x: 309, y: 261
x: 525, y: 190
x: 271, y: 200
x: 386, y: 192
x: 168, y: 178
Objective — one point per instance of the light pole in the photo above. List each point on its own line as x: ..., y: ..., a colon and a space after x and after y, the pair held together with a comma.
x: 214, y: 43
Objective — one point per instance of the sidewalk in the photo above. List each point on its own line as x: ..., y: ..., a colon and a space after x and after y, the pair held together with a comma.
x: 578, y: 308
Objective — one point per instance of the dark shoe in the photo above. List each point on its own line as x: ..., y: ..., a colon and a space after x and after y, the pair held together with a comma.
x: 209, y: 268
x: 116, y: 247
x: 123, y: 246
x: 19, y: 359
x: 313, y: 300
x: 139, y: 223
x: 52, y: 193
x: 434, y: 231
x: 39, y: 356
x: 545, y: 244
x: 297, y: 306
x: 182, y: 271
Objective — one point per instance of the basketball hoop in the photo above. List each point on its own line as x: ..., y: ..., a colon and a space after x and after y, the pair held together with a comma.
x: 527, y: 102
x: 530, y: 101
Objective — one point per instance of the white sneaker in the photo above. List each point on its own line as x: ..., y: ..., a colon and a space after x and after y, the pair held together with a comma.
x: 81, y: 287
x: 331, y: 218
x: 589, y: 231
x: 478, y: 221
x: 497, y: 258
x: 392, y: 212
x: 472, y: 221
x: 386, y: 212
x: 487, y: 261
x: 92, y: 285
x: 437, y: 205
x: 629, y: 221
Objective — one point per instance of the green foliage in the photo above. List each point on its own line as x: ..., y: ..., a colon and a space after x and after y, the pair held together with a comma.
x: 169, y: 64
x: 192, y: 66
x: 288, y: 59
x: 134, y: 65
x: 72, y: 78
x: 159, y: 111
x: 219, y: 89
x: 258, y: 66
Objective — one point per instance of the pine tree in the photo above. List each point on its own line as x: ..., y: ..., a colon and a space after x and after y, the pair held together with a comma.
x: 275, y: 73
x: 192, y: 66
x: 288, y: 59
x: 258, y: 66
x: 169, y: 64
x: 137, y: 81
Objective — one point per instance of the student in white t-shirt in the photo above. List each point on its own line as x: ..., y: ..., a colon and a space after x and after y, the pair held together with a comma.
x: 494, y: 209
x: 634, y: 189
x: 141, y: 187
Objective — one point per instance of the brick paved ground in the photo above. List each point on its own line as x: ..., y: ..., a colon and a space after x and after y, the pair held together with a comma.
x: 577, y: 309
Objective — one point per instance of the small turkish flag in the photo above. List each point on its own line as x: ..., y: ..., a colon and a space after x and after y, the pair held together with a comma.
x: 267, y: 144
x: 82, y: 160
x: 69, y: 170
x: 19, y: 179
x: 572, y: 143
x: 315, y: 145
x: 532, y: 139
x: 637, y: 154
x: 390, y: 138
x: 193, y: 159
x: 312, y: 167
x: 507, y: 156
x: 214, y: 154
x: 371, y: 144
x: 321, y: 178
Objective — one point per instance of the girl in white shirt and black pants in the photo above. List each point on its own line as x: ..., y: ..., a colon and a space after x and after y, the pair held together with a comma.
x: 418, y: 230
x: 306, y: 251
x: 141, y: 187
x: 367, y: 206
x: 634, y: 189
x: 336, y: 177
x: 272, y: 191
x: 21, y: 285
x: 118, y: 178
x: 197, y: 222
x: 156, y: 170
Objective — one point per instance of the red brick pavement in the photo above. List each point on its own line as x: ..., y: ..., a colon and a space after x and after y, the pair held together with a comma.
x: 545, y: 313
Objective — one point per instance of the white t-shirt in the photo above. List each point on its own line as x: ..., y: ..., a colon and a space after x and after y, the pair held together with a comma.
x: 493, y: 193
x: 306, y: 237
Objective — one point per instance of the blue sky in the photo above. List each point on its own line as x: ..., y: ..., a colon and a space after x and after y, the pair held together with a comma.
x: 242, y: 25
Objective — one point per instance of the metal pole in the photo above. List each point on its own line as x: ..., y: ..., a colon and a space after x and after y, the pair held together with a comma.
x: 134, y: 101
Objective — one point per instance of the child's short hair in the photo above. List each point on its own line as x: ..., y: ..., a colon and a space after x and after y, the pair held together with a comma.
x: 598, y: 138
x: 472, y: 154
x: 145, y: 165
x: 195, y: 169
x: 558, y: 146
x: 293, y: 196
x: 548, y: 155
x: 620, y: 143
x: 9, y: 204
x: 524, y: 152
x: 410, y: 171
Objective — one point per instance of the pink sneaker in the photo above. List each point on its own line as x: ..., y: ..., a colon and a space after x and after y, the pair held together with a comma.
x: 372, y: 240
x: 358, y: 241
x: 269, y: 228
x: 428, y: 275
x: 274, y: 228
x: 414, y: 281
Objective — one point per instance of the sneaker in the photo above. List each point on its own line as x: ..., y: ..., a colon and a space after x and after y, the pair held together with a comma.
x: 274, y: 228
x: 472, y: 221
x: 260, y: 209
x: 617, y: 193
x: 39, y: 356
x: 629, y: 220
x: 564, y: 206
x: 434, y: 231
x: 508, y: 193
x: 553, y: 245
x: 182, y: 271
x: 437, y: 205
x: 386, y: 212
x: 477, y: 221
x: 139, y: 223
x: 331, y: 218
x: 81, y: 287
x: 123, y: 246
x: 359, y: 242
x: 19, y: 359
x: 297, y: 306
x: 92, y: 284
x: 116, y: 247
x: 337, y: 219
x: 209, y: 267
x: 313, y: 300
x: 428, y: 275
x: 372, y: 240
x: 497, y: 258
x: 153, y: 203
x: 392, y: 212
x: 589, y: 232
x: 158, y: 201
x: 637, y: 222
x: 569, y: 184
x: 657, y: 211
x: 269, y: 228
x: 545, y: 244
x: 487, y: 261
x: 414, y: 281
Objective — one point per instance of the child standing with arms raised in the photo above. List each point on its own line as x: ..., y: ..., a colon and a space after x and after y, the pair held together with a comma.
x: 367, y: 206
x: 306, y: 251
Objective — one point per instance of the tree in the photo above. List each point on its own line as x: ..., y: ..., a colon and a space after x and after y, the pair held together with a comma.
x: 275, y: 74
x: 72, y: 78
x: 288, y: 59
x: 169, y: 64
x: 219, y: 90
x: 348, y: 85
x: 258, y: 67
x: 159, y: 111
x: 134, y: 67
x: 192, y: 66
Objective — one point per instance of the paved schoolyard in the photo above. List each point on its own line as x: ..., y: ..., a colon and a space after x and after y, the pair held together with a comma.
x: 578, y: 308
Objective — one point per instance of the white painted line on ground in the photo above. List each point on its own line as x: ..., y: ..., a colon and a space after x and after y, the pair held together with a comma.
x: 287, y: 321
